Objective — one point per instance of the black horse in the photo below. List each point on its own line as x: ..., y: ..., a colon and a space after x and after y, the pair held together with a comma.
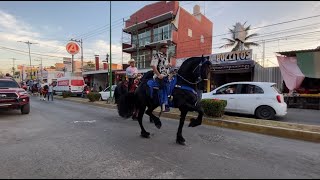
x: 190, y: 78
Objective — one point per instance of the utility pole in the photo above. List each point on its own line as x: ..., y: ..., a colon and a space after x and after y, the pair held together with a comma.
x: 13, y: 69
x: 29, y: 43
x: 122, y: 42
x: 110, y: 64
x: 137, y: 42
x: 81, y: 46
x: 41, y: 67
x: 264, y: 52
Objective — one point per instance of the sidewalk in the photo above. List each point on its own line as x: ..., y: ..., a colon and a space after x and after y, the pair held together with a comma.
x: 274, y: 128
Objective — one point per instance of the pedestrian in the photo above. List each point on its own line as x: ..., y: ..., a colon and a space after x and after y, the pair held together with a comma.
x: 50, y: 92
x: 100, y: 88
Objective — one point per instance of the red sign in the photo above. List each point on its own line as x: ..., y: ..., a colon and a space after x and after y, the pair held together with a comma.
x: 63, y: 83
x: 72, y: 48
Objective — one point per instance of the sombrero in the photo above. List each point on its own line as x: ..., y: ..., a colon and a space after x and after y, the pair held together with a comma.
x: 132, y: 60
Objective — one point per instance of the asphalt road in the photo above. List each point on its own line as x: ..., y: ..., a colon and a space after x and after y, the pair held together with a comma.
x: 301, y: 116
x: 63, y: 139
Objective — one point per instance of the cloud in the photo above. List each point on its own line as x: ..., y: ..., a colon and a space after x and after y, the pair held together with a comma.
x: 14, y: 29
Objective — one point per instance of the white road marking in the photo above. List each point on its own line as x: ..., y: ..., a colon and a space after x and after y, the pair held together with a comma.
x: 93, y: 121
x: 227, y: 157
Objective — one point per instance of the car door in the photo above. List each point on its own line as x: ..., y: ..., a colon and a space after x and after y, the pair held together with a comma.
x: 105, y: 94
x: 248, y: 98
x: 224, y: 93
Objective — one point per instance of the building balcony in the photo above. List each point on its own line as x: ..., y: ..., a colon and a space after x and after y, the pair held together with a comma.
x: 147, y: 23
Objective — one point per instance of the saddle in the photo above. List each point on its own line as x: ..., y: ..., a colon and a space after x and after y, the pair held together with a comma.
x: 164, y: 95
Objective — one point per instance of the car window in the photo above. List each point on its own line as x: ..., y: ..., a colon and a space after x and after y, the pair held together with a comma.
x: 251, y: 89
x: 9, y: 84
x: 231, y: 89
x: 276, y: 89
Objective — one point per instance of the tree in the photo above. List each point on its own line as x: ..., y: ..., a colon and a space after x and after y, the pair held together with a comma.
x: 235, y: 43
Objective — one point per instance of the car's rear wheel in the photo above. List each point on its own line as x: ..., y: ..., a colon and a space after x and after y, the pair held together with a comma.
x: 265, y: 112
x: 25, y: 109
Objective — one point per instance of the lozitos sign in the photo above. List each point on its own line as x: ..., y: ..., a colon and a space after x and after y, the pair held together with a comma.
x: 231, y: 56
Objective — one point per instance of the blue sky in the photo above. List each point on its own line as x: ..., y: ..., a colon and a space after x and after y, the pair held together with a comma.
x: 52, y: 24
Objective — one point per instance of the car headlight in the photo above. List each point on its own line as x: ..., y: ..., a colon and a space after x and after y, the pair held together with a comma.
x: 22, y: 93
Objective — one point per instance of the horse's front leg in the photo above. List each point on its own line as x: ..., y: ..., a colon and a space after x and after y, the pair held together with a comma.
x: 153, y: 118
x: 180, y: 139
x: 198, y: 121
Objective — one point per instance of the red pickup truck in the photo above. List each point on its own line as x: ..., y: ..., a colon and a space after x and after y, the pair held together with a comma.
x: 12, y: 96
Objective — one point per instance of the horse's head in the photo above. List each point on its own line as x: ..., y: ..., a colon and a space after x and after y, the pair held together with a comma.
x: 194, y: 70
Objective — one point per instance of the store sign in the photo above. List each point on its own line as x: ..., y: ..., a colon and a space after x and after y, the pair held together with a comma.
x: 230, y: 57
x: 231, y: 67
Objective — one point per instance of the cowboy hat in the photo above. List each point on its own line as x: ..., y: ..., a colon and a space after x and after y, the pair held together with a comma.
x: 132, y: 60
x: 159, y: 46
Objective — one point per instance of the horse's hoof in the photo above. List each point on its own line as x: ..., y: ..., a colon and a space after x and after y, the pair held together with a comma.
x: 158, y: 124
x: 194, y: 122
x: 180, y: 142
x: 145, y: 135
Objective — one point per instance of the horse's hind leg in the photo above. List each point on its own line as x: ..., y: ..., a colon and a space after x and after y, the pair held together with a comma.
x: 144, y: 133
x: 153, y: 119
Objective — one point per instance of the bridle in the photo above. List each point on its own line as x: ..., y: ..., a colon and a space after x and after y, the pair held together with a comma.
x: 199, y: 67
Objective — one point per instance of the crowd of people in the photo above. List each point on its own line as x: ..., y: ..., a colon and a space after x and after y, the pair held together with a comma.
x: 41, y: 88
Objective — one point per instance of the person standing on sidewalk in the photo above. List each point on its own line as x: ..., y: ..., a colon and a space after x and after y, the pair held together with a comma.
x: 50, y: 92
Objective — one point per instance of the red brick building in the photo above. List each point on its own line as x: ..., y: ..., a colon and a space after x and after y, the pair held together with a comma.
x: 167, y: 23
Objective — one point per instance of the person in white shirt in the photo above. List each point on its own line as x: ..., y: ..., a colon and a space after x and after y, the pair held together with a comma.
x: 161, y: 68
x: 131, y: 73
x: 50, y: 92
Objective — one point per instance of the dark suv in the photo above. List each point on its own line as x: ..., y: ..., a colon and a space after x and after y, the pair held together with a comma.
x: 12, y: 96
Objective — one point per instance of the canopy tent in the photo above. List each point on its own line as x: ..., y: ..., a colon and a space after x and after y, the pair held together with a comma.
x: 290, y: 72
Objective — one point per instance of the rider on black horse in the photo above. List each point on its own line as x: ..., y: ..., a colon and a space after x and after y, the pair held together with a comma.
x: 131, y: 73
x: 161, y: 67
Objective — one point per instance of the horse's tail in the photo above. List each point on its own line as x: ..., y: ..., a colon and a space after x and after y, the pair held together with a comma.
x: 126, y: 105
x: 124, y: 100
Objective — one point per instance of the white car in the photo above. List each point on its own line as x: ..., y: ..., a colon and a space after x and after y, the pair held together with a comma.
x: 105, y: 94
x: 261, y: 99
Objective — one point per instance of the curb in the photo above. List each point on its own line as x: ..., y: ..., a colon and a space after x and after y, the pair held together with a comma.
x: 249, y: 127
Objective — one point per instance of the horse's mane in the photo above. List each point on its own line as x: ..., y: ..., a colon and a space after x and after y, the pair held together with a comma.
x: 190, y: 62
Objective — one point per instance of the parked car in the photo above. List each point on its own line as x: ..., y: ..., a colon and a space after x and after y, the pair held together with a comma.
x: 105, y: 94
x: 12, y: 96
x: 261, y: 99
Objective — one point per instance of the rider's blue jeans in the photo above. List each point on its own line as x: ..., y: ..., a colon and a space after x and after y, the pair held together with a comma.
x: 164, y: 90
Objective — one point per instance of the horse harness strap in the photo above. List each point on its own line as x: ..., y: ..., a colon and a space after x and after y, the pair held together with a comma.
x: 186, y: 88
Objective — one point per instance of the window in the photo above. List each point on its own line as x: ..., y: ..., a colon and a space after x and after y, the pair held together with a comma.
x: 231, y: 89
x: 9, y: 84
x: 202, y: 39
x: 251, y: 89
x: 189, y: 32
x: 161, y: 32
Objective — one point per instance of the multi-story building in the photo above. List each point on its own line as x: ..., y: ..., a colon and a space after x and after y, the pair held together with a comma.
x: 167, y: 23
